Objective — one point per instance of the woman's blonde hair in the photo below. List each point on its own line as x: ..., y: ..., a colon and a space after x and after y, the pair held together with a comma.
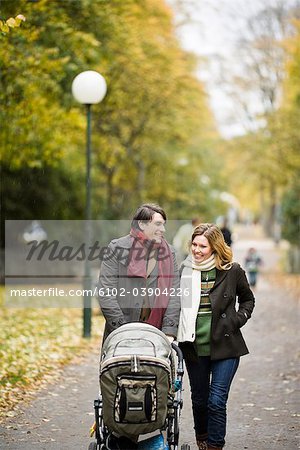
x: 213, y: 234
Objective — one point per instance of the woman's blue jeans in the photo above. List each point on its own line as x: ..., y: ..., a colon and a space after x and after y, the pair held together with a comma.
x: 210, y: 383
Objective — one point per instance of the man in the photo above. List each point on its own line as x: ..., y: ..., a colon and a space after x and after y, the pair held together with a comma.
x: 182, y: 238
x: 226, y: 232
x: 139, y: 281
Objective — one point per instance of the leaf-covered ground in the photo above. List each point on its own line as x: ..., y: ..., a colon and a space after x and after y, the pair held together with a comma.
x: 34, y: 345
x: 290, y: 282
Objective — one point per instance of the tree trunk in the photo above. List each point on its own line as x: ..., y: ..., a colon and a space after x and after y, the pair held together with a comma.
x: 294, y: 259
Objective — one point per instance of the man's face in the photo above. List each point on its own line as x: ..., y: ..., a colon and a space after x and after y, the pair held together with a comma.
x: 154, y: 229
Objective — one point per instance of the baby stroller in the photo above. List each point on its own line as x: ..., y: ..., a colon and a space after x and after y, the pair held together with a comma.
x: 140, y: 388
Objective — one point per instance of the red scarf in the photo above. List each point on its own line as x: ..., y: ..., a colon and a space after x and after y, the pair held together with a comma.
x: 137, y: 267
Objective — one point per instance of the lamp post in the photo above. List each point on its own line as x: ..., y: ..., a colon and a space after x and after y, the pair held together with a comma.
x: 88, y: 88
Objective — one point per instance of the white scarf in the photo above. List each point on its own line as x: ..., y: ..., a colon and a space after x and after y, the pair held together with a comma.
x: 203, y: 266
x: 190, y: 284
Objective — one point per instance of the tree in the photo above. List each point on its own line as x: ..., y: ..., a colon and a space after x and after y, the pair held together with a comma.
x: 155, y: 112
x: 6, y: 25
x: 264, y: 155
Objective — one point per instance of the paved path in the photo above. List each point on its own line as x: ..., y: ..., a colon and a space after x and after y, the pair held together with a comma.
x: 263, y: 411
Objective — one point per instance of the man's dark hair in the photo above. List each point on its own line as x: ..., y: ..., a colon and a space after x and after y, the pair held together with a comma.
x: 145, y: 213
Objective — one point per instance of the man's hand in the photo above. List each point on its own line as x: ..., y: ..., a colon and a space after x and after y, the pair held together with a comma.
x: 170, y: 338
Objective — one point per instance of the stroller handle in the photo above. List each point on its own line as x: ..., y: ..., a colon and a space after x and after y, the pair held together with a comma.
x: 180, y: 370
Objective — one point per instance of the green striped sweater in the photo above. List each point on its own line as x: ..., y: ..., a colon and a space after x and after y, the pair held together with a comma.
x: 203, y: 323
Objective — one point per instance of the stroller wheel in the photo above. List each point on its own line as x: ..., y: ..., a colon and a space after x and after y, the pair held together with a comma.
x: 185, y: 447
x: 93, y: 446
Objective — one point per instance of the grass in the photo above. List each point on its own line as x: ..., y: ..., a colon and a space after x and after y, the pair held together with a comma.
x: 34, y: 346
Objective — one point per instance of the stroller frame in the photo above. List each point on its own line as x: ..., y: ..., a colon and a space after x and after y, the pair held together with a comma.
x: 171, y: 426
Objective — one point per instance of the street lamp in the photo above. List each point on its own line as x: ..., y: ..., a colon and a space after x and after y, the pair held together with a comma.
x: 88, y: 88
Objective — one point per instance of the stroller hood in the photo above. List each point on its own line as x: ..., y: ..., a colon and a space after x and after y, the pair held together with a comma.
x: 137, y: 338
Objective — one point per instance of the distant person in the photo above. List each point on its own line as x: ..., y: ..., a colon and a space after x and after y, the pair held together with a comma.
x: 182, y: 237
x: 226, y: 233
x: 252, y: 265
x: 209, y: 329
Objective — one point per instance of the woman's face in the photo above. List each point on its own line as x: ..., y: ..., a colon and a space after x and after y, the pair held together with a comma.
x: 201, y: 250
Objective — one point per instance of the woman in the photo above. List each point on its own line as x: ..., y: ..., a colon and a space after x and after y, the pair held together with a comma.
x: 209, y: 329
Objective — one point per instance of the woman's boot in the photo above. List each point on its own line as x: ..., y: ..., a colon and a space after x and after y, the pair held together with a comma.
x: 213, y: 448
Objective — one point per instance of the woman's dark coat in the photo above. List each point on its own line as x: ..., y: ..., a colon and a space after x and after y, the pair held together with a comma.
x: 226, y: 338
